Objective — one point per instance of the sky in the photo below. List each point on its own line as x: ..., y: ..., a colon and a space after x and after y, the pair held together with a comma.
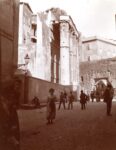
x: 91, y: 17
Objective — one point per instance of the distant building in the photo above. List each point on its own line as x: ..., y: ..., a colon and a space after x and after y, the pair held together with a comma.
x: 96, y: 48
x: 97, y: 62
x: 53, y: 46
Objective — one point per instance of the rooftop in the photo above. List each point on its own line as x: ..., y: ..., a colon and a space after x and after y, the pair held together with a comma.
x: 94, y: 38
x: 24, y: 3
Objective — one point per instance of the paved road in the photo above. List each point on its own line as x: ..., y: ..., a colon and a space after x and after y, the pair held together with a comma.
x: 73, y: 129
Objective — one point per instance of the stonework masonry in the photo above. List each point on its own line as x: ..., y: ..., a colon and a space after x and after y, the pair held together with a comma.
x: 90, y: 71
x: 69, y: 45
x: 97, y: 61
x: 55, y: 41
x: 8, y: 38
x: 25, y: 30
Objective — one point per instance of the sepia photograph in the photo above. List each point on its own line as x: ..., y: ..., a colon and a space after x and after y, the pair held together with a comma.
x: 57, y: 74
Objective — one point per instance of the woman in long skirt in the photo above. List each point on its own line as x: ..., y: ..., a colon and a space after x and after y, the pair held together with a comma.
x: 51, y: 107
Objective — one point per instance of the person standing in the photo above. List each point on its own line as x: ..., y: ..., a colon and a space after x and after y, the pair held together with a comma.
x: 71, y: 100
x: 83, y: 99
x: 65, y: 96
x: 108, y: 96
x: 62, y: 100
x: 97, y: 96
x: 51, y: 107
x: 92, y: 96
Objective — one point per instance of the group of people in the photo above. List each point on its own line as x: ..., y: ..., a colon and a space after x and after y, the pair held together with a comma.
x: 51, y: 107
x: 9, y: 98
x: 64, y: 98
x: 95, y: 95
x: 107, y: 97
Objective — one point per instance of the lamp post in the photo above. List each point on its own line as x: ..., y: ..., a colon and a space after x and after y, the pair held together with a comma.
x: 27, y: 58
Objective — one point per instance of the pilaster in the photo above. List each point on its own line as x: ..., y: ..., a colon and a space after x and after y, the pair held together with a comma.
x: 64, y: 53
x: 40, y: 69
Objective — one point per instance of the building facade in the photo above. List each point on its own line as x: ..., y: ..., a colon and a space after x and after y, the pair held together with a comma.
x: 8, y: 38
x: 95, y: 48
x: 54, y: 44
x: 26, y: 42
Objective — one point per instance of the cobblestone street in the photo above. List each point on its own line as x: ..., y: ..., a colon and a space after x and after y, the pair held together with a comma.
x: 75, y: 129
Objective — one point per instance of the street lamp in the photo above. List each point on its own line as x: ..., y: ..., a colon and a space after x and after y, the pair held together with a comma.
x: 27, y: 58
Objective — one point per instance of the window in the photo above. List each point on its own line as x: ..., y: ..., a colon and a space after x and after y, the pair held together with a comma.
x: 88, y: 47
x: 82, y: 78
x: 89, y: 58
x: 33, y: 40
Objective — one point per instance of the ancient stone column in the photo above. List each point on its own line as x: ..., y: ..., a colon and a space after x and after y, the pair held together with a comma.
x: 74, y: 60
x: 64, y: 51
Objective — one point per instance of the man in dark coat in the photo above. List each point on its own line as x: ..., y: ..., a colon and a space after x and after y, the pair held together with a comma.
x: 62, y: 100
x: 108, y: 96
x: 92, y: 96
x: 70, y: 100
x: 65, y: 96
x: 83, y: 100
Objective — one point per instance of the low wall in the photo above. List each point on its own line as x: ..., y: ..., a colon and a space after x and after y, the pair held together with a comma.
x: 39, y: 88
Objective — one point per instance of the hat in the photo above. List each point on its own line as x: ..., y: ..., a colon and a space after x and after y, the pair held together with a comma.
x: 51, y: 90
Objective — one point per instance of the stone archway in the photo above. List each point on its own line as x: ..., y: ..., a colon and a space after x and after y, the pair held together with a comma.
x: 100, y: 84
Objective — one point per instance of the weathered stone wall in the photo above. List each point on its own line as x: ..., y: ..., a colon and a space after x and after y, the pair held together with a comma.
x: 97, y: 69
x: 25, y: 15
x: 25, y: 45
x: 56, y: 53
x: 43, y: 53
x: 8, y: 38
x: 39, y: 88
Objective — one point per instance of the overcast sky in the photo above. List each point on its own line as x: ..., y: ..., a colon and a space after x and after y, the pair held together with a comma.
x: 92, y: 17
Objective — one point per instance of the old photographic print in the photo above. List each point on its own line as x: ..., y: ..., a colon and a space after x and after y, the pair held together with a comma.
x: 57, y: 74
